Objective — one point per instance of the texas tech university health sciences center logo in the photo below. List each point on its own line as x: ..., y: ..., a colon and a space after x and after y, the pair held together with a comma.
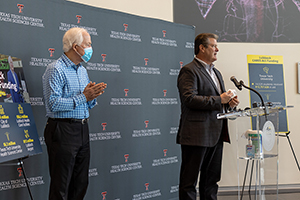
x: 78, y: 18
x: 51, y: 51
x: 20, y: 18
x: 126, y: 166
x: 20, y: 6
x: 148, y: 194
x: 126, y: 101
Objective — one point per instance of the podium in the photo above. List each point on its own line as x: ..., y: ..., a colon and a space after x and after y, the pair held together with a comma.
x: 257, y: 151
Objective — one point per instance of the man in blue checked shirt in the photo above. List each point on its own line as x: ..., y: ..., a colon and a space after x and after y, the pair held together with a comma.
x: 69, y: 94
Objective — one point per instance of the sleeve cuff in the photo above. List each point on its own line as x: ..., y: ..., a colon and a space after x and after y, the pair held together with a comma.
x: 79, y: 99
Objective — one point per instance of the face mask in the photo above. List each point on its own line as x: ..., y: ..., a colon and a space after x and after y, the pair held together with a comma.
x: 88, y: 52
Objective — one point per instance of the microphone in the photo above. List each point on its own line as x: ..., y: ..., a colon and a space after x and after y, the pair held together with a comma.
x: 241, y: 84
x: 236, y: 83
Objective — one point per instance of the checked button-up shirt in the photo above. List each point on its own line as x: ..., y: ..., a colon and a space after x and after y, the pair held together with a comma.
x: 63, y: 86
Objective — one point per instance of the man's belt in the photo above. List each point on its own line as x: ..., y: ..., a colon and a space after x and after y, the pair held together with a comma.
x: 71, y: 120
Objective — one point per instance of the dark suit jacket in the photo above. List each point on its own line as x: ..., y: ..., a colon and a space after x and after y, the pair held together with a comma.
x: 200, y: 104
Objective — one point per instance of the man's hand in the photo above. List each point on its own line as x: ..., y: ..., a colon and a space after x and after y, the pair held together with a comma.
x: 234, y: 102
x: 226, y: 97
x: 93, y: 90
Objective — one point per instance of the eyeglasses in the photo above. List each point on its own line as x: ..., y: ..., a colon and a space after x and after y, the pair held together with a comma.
x: 213, y: 45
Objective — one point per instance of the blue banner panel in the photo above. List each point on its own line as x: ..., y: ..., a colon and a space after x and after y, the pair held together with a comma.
x: 266, y: 77
x: 18, y: 134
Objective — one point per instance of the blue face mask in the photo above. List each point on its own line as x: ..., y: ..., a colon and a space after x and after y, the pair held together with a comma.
x: 88, y: 52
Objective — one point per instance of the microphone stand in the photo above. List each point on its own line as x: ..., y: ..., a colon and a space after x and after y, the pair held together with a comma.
x: 262, y: 101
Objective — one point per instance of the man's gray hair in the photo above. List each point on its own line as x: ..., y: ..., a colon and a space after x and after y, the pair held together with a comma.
x: 73, y: 35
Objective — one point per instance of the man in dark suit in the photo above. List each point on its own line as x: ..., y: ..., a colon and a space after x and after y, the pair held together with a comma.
x: 201, y: 134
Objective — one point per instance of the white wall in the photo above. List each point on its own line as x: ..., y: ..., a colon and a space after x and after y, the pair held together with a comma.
x: 232, y: 60
x: 158, y: 9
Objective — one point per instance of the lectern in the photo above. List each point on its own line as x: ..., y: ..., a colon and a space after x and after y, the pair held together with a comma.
x: 257, y: 151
